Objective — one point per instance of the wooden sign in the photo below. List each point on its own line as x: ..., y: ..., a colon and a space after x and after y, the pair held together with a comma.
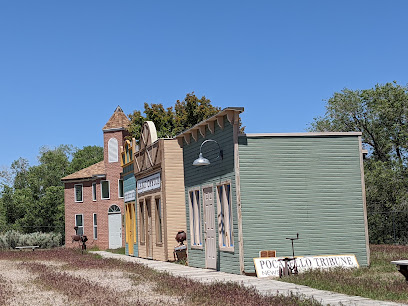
x: 266, y: 267
x: 148, y: 183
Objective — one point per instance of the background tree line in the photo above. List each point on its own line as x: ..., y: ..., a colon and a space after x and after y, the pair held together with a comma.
x: 381, y: 114
x: 32, y: 197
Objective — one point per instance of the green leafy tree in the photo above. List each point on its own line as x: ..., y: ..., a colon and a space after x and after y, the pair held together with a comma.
x: 381, y: 114
x: 32, y: 197
x: 172, y: 121
x: 85, y: 157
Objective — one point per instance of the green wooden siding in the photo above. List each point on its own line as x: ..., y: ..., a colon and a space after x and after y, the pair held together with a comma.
x: 306, y: 185
x: 129, y: 183
x: 219, y: 171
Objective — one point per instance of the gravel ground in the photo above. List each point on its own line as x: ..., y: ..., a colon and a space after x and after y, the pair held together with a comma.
x: 21, y: 287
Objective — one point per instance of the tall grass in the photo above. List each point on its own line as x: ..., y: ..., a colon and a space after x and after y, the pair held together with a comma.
x: 380, y: 281
x: 12, y: 238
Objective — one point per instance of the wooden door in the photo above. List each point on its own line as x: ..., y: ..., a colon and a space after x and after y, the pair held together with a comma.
x: 149, y: 233
x: 209, y: 228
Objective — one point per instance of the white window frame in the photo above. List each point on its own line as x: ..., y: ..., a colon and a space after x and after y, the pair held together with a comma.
x: 102, y: 198
x: 83, y: 227
x: 196, y: 241
x: 119, y: 190
x: 95, y: 226
x: 94, y: 193
x: 82, y: 193
x: 225, y: 217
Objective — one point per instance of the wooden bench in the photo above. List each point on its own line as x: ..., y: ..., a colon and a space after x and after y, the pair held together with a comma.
x: 33, y: 247
x: 402, y: 266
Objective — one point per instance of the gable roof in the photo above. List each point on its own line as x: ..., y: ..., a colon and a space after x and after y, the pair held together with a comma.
x: 94, y: 171
x: 118, y: 121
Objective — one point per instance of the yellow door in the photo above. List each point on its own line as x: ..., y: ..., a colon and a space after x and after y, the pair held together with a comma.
x: 130, y: 227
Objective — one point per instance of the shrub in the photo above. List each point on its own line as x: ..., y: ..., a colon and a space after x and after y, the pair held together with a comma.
x: 12, y: 238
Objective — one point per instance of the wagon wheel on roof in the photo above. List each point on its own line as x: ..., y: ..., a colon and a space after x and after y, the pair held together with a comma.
x: 148, y: 136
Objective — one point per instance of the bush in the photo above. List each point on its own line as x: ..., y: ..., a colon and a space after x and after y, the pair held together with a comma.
x: 12, y: 238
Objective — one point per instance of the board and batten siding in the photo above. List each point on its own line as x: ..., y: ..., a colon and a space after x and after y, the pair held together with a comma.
x: 173, y: 193
x: 198, y: 177
x: 306, y: 185
x: 129, y: 183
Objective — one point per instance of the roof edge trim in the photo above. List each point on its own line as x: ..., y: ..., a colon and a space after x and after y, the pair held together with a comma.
x: 303, y: 134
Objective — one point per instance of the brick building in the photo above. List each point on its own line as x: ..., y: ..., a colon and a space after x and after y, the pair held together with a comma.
x: 94, y: 195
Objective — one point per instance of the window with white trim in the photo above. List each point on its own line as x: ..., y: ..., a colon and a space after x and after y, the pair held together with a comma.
x: 78, y: 193
x: 95, y: 227
x: 120, y: 188
x: 105, y: 192
x: 159, y: 222
x: 195, y: 218
x: 79, y: 222
x: 225, y: 220
x: 93, y: 191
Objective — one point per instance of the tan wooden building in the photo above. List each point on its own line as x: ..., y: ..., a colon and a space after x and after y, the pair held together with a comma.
x: 158, y: 169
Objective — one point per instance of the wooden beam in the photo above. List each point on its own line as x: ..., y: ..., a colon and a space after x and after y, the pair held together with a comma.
x: 180, y: 141
x: 187, y: 138
x: 230, y: 116
x: 211, y: 126
x: 202, y: 130
x: 220, y: 121
x: 194, y: 133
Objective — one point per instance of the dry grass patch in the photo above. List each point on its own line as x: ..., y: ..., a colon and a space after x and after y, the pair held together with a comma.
x: 71, y: 278
x: 380, y: 281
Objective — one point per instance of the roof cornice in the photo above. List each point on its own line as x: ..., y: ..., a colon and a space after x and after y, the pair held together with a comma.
x: 232, y: 114
x: 305, y: 134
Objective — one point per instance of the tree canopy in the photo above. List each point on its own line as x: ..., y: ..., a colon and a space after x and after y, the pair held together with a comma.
x: 381, y: 115
x: 32, y: 197
x: 173, y: 120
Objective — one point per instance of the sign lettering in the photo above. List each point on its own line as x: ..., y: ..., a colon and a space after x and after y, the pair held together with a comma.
x: 148, y: 183
x: 269, y: 266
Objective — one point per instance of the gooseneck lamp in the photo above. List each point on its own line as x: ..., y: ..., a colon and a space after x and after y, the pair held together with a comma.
x: 201, y: 160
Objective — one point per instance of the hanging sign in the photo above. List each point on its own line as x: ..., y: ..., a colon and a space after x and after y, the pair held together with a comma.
x: 130, y: 196
x: 269, y: 266
x: 148, y: 183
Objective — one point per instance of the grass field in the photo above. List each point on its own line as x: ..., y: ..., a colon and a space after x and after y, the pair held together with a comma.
x: 65, y: 277
x: 380, y: 281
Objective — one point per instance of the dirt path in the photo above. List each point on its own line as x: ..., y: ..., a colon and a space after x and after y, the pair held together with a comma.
x: 21, y: 286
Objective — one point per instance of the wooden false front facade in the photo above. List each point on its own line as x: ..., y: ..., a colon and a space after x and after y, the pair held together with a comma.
x: 268, y: 187
x: 158, y: 170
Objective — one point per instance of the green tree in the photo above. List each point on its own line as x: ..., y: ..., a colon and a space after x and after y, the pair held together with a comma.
x: 85, y: 157
x: 172, y: 121
x: 381, y: 115
x: 45, y: 215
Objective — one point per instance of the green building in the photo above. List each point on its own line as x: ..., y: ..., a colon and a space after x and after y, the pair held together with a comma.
x: 252, y: 191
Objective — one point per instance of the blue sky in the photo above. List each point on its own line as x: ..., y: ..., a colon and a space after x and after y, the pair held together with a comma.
x: 66, y: 65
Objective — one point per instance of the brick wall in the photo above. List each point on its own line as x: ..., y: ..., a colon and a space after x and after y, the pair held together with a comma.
x: 88, y: 207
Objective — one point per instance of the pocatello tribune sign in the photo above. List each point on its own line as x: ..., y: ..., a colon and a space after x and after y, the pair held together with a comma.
x: 269, y: 266
x: 148, y: 183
